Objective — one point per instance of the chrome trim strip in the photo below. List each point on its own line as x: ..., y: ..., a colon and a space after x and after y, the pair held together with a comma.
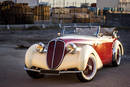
x: 47, y: 50
x: 81, y: 26
x: 70, y: 72
x: 52, y: 62
x: 60, y: 72
x: 27, y: 69
x: 62, y: 54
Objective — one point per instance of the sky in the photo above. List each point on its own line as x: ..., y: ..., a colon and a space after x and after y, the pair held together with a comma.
x: 69, y: 2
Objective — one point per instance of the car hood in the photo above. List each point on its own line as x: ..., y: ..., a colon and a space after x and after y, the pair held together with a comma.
x: 78, y: 39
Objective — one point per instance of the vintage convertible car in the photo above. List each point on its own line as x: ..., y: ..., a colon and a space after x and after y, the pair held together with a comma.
x: 78, y: 49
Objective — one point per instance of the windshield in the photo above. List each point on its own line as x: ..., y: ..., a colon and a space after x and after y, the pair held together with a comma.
x: 84, y: 30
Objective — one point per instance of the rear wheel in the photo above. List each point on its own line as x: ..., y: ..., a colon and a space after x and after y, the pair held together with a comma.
x: 90, y: 71
x: 117, y: 57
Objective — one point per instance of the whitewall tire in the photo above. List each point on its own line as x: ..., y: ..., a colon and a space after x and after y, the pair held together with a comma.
x: 33, y: 74
x: 90, y: 71
x: 117, y: 57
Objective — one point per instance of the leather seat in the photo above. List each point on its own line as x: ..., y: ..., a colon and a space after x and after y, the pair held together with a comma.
x: 108, y: 31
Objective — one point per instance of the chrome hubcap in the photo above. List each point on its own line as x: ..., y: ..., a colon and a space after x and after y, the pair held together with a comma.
x: 118, y: 56
x: 89, y: 69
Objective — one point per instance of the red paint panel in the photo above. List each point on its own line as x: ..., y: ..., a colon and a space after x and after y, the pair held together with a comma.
x: 50, y: 53
x: 104, y: 51
x: 59, y: 54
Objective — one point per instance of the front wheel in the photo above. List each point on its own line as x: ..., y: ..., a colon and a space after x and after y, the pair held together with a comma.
x: 90, y: 71
x: 34, y: 75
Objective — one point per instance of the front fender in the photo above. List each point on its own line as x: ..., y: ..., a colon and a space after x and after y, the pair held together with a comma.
x: 29, y: 55
x: 84, y: 56
x: 34, y: 58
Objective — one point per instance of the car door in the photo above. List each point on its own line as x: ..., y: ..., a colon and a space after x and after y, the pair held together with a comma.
x: 104, y: 49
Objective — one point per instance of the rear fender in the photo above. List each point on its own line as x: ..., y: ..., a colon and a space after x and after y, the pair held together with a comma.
x: 116, y: 45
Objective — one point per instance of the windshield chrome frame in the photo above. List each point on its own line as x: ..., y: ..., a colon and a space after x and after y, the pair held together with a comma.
x: 75, y: 26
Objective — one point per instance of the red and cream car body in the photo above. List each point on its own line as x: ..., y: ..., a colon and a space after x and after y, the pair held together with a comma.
x: 82, y: 50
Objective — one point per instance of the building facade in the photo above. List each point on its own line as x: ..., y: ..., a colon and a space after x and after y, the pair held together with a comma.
x: 31, y: 3
x: 125, y: 4
x: 101, y: 4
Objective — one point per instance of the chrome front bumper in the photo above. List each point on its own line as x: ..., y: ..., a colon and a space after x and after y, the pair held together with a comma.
x: 50, y: 72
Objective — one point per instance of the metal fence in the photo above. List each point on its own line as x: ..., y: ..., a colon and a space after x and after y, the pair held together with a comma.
x: 45, y: 25
x: 23, y: 26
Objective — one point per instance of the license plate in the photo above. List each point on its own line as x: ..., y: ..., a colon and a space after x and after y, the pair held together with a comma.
x: 49, y: 71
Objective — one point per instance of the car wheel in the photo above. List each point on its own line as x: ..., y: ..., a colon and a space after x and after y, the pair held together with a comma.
x: 90, y: 71
x: 34, y: 75
x: 117, y: 57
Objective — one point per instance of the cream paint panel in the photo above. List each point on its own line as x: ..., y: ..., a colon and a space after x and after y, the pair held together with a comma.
x: 70, y: 61
x: 85, y: 53
x: 91, y: 38
x: 106, y: 39
x: 33, y: 58
x: 29, y: 55
x: 39, y: 60
x: 78, y: 60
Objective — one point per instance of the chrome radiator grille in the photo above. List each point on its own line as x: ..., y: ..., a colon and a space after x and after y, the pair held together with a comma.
x: 55, y: 53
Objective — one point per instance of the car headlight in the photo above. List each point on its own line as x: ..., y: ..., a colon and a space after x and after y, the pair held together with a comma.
x: 71, y: 48
x: 40, y: 47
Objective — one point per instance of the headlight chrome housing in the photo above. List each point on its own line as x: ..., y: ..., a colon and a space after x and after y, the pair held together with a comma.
x: 40, y: 47
x: 71, y: 48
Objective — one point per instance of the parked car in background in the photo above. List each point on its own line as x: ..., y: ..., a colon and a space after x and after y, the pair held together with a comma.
x: 79, y: 49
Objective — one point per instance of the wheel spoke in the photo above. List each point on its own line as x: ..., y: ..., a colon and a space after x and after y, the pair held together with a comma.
x: 90, y: 70
x: 118, y: 56
x: 90, y: 67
